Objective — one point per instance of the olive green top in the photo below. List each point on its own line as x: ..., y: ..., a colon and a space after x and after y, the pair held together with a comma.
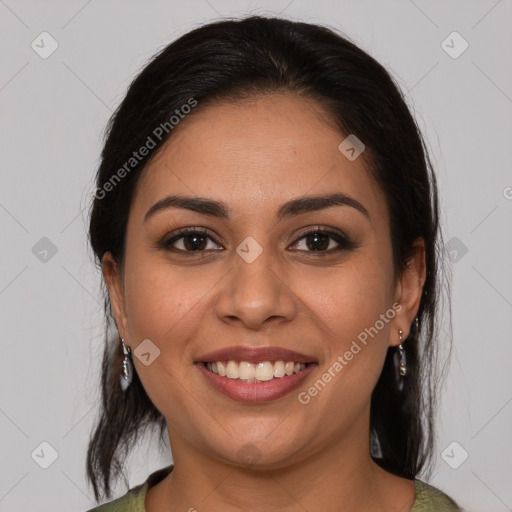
x: 428, y: 498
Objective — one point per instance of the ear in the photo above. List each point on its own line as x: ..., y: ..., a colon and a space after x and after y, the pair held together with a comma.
x: 114, y: 281
x: 408, y: 292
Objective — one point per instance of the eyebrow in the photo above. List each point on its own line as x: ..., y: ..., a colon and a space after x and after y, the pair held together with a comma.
x: 219, y: 209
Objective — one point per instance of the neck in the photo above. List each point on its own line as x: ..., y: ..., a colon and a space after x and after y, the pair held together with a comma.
x: 338, y: 476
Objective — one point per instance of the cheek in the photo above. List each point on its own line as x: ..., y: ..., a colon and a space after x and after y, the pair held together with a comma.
x: 166, y: 306
x: 347, y: 305
x: 159, y: 297
x: 348, y: 297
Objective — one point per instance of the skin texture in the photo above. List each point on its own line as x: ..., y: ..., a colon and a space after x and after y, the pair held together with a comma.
x: 255, y: 156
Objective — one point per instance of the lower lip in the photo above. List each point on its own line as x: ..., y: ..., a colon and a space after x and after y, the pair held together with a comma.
x: 259, y: 391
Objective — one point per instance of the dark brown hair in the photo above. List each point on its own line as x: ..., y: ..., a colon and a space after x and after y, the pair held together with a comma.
x: 231, y: 59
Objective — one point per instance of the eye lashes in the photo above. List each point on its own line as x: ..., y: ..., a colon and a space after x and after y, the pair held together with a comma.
x: 342, y: 240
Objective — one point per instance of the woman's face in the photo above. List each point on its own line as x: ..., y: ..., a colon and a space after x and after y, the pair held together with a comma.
x: 251, y: 279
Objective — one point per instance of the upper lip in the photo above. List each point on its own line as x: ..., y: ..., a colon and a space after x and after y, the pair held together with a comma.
x: 255, y: 355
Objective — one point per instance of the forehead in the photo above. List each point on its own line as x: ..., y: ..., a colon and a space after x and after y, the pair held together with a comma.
x: 257, y: 154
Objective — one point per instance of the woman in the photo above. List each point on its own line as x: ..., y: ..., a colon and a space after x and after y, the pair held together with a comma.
x: 266, y: 222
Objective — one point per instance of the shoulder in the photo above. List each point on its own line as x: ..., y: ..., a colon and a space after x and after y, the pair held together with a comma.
x: 132, y: 501
x: 428, y: 497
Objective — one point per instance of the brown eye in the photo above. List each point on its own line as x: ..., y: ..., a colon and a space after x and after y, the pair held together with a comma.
x: 323, y: 241
x: 190, y: 240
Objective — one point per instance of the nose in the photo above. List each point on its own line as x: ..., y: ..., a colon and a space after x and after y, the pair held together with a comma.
x: 255, y: 294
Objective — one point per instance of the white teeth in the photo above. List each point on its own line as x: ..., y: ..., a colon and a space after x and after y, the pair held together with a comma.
x: 264, y: 371
x: 232, y: 370
x: 249, y: 372
x: 279, y: 370
x: 246, y: 371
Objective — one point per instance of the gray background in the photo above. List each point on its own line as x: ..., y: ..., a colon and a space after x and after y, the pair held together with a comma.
x: 53, y: 112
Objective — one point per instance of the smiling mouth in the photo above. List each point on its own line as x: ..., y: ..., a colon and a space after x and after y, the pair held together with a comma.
x: 250, y: 373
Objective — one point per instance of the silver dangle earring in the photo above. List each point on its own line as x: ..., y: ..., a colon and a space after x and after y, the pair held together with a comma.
x: 127, y: 367
x: 402, y: 368
x: 400, y: 362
